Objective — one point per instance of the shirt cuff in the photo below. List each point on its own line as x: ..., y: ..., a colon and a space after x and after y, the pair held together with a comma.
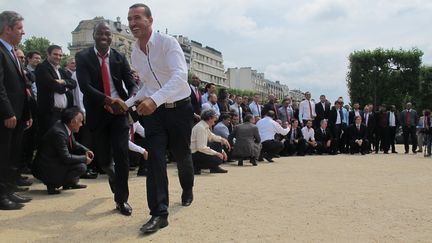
x: 158, y: 99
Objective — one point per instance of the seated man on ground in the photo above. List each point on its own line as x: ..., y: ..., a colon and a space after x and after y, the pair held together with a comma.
x: 268, y: 128
x: 247, y: 141
x: 309, y: 136
x: 324, y: 139
x: 202, y: 155
x: 358, y: 137
x: 221, y: 128
x: 294, y: 141
x: 60, y: 160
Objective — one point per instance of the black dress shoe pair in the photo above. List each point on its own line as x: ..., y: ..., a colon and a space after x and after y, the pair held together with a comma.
x: 23, y: 182
x: 7, y: 204
x: 154, y: 224
x: 52, y: 190
x: 18, y: 199
x: 89, y: 174
x: 268, y: 158
x: 218, y: 170
x: 74, y: 186
x: 187, y: 198
x: 124, y: 208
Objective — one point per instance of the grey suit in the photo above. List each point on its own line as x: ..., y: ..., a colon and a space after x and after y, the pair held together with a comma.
x: 247, y: 142
x: 408, y: 123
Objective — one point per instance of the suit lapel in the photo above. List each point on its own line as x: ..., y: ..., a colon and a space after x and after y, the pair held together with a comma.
x: 12, y: 61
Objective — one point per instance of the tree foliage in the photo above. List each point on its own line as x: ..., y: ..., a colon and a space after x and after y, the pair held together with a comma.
x: 424, y: 99
x: 39, y: 44
x: 384, y: 76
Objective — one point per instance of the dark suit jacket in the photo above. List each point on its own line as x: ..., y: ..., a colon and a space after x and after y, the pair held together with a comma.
x: 355, y: 134
x: 333, y: 117
x: 352, y: 116
x: 413, y: 118
x: 321, y: 114
x: 89, y: 76
x: 47, y: 86
x: 321, y: 138
x: 298, y: 134
x: 371, y: 122
x: 196, y: 104
x: 13, y: 97
x: 55, y: 156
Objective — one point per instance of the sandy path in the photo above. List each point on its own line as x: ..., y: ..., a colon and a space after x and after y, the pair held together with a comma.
x: 373, y: 198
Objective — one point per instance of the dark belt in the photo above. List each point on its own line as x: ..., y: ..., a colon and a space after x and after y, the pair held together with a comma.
x: 177, y: 103
x: 60, y: 110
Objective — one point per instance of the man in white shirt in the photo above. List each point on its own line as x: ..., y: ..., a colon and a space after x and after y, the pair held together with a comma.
x: 393, y: 125
x: 268, y: 128
x: 307, y: 109
x: 203, y: 156
x: 309, y: 136
x: 168, y: 114
x: 236, y: 107
x: 211, y: 104
x: 255, y: 106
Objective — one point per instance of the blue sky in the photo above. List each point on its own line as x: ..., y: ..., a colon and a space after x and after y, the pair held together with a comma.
x: 304, y: 44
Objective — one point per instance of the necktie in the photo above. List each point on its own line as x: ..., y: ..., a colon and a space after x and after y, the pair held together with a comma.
x: 367, y: 118
x: 70, y: 141
x: 323, y: 131
x: 358, y: 128
x: 105, y: 75
x: 132, y: 133
x: 407, y: 118
x: 287, y: 114
x: 310, y: 109
x: 197, y: 94
x: 276, y: 111
x: 239, y: 113
x: 258, y: 109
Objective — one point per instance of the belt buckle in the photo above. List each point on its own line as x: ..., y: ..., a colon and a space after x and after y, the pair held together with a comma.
x: 170, y: 105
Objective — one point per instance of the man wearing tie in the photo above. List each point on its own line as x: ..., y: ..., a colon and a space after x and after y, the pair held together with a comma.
x: 286, y: 113
x: 408, y: 120
x: 335, y: 122
x: 358, y: 137
x: 369, y: 121
x: 14, y: 108
x: 195, y: 97
x: 236, y: 107
x: 255, y: 106
x: 322, y: 110
x: 102, y: 72
x: 393, y: 119
x: 307, y: 109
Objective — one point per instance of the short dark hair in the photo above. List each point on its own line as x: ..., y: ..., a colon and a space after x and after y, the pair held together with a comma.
x: 224, y: 116
x: 208, y: 114
x: 293, y: 120
x: 271, y: 114
x: 102, y: 22
x: 248, y: 117
x: 69, y: 114
x: 30, y: 54
x: 208, y: 86
x: 51, y: 48
x: 147, y: 11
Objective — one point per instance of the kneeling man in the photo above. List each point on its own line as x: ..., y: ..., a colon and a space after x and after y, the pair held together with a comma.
x: 358, y: 137
x: 60, y: 160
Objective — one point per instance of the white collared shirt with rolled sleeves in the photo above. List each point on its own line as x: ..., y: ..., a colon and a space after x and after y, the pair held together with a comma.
x: 165, y: 60
x: 268, y: 128
x: 308, y: 134
x: 305, y: 110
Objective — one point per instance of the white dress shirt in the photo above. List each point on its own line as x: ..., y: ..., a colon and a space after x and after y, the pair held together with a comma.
x: 238, y: 110
x: 304, y: 110
x: 338, y: 117
x: 209, y: 105
x: 140, y: 130
x: 255, y: 109
x: 392, y: 119
x: 268, y: 128
x: 204, y: 98
x: 78, y: 95
x: 60, y: 100
x: 201, y: 135
x: 308, y: 134
x: 163, y: 70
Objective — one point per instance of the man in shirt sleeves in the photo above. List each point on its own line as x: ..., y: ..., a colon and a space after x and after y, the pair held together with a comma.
x: 307, y: 109
x: 102, y: 72
x: 167, y: 112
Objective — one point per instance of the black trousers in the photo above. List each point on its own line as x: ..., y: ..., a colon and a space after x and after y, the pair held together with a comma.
x: 29, y: 145
x: 355, y: 148
x: 110, y: 141
x: 205, y: 161
x: 382, y: 139
x: 298, y: 148
x: 271, y: 148
x: 10, y: 155
x: 337, y: 142
x: 167, y: 128
x: 323, y: 149
x: 392, y: 132
x: 409, y: 132
x: 62, y: 175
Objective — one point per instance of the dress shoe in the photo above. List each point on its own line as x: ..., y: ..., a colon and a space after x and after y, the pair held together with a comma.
x: 268, y: 158
x: 218, y: 170
x: 20, y: 189
x: 142, y: 172
x: 240, y: 162
x: 52, y: 190
x: 7, y: 204
x: 124, y: 208
x: 197, y: 171
x: 362, y: 153
x: 394, y: 152
x: 24, y: 177
x: 187, y: 197
x: 21, y: 182
x: 74, y: 186
x: 253, y: 162
x: 18, y: 199
x: 154, y: 224
x: 386, y: 152
x: 89, y: 175
x: 406, y: 152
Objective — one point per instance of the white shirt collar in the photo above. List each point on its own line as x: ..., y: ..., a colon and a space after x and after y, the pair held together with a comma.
x: 96, y: 51
x: 68, y: 130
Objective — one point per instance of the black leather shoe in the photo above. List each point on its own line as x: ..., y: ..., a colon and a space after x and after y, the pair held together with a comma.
x: 21, y: 189
x: 52, y: 190
x: 187, y: 198
x: 268, y: 158
x: 154, y: 224
x: 21, y: 182
x: 19, y: 199
x: 253, y: 162
x: 75, y: 186
x: 89, y: 175
x: 240, y: 162
x: 7, y: 204
x: 218, y: 170
x: 124, y: 208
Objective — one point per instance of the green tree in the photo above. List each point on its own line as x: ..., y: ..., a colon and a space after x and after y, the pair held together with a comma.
x: 39, y: 44
x: 384, y: 76
x: 424, y: 100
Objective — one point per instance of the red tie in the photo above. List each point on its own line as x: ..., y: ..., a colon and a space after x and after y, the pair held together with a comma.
x: 70, y: 141
x: 132, y: 134
x: 287, y: 114
x: 407, y: 118
x: 276, y: 111
x: 105, y: 75
x: 310, y: 110
x: 197, y: 94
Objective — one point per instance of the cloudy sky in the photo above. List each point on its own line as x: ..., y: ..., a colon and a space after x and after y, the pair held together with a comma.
x: 303, y: 43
